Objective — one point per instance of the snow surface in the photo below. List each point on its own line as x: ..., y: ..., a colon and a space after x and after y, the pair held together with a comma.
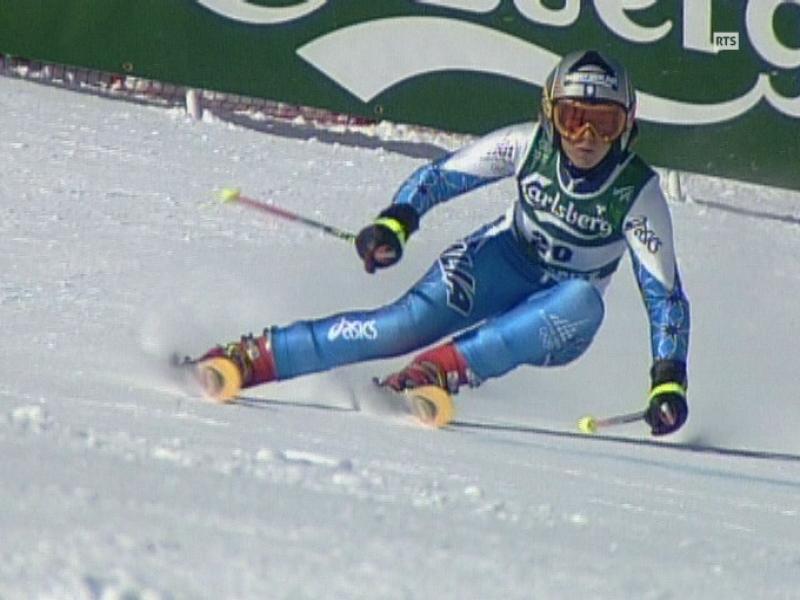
x: 115, y: 485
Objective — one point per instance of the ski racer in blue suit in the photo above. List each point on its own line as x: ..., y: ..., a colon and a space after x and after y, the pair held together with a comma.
x: 527, y: 288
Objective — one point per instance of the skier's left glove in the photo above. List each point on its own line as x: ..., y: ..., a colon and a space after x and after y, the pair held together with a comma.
x: 667, y: 410
x: 380, y: 244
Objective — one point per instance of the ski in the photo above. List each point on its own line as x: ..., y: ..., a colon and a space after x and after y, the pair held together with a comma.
x: 432, y: 407
x: 605, y: 438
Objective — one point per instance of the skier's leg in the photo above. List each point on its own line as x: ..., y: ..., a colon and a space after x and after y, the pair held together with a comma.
x: 473, y: 279
x: 413, y: 321
x: 483, y: 275
x: 552, y: 327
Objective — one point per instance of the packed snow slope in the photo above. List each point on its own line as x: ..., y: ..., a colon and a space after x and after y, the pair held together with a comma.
x: 116, y: 485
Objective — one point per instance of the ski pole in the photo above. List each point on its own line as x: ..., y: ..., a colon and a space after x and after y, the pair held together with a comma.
x: 590, y: 424
x: 234, y: 195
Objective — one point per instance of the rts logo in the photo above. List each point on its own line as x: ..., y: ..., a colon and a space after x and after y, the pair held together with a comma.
x: 725, y: 40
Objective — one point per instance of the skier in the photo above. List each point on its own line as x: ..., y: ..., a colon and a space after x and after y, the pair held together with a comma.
x: 527, y: 288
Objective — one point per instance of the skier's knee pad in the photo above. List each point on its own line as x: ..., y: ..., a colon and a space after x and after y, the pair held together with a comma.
x: 572, y: 316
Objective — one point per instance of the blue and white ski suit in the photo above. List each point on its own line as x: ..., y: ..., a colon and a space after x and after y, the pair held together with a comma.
x: 526, y: 288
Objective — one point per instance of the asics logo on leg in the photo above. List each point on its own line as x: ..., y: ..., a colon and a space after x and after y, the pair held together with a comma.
x: 353, y: 330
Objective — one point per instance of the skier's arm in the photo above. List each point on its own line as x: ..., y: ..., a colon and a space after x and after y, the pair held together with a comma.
x: 495, y: 156
x: 648, y: 232
x: 492, y: 157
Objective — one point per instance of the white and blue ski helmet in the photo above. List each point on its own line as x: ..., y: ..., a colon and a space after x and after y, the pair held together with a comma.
x: 594, y: 77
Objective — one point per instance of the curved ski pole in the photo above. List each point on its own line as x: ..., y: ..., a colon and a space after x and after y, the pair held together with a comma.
x: 230, y: 195
x: 590, y: 424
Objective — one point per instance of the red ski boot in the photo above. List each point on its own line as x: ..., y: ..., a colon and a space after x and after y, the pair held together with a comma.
x: 427, y: 382
x: 224, y: 370
x: 443, y: 367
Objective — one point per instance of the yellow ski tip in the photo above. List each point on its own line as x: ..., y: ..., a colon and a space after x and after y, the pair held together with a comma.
x: 431, y: 405
x: 229, y: 194
x: 587, y: 424
x: 219, y: 378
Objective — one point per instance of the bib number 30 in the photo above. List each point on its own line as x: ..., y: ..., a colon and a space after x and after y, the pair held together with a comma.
x: 545, y: 248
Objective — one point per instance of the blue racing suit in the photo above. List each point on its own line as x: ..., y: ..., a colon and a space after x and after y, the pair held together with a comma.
x: 526, y: 288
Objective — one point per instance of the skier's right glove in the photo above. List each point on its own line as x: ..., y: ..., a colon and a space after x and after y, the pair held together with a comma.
x: 380, y: 244
x: 667, y: 410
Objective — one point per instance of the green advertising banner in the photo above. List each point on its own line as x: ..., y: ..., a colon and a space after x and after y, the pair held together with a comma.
x: 718, y: 80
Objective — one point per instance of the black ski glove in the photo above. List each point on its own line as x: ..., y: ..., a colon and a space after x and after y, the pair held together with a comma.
x: 380, y: 244
x: 667, y: 410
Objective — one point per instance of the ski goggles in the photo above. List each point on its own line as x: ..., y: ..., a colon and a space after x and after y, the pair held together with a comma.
x: 573, y: 118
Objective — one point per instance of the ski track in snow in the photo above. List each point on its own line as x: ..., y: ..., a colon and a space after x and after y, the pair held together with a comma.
x: 116, y: 484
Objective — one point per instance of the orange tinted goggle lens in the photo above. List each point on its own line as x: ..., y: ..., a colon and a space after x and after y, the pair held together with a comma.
x: 572, y: 118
